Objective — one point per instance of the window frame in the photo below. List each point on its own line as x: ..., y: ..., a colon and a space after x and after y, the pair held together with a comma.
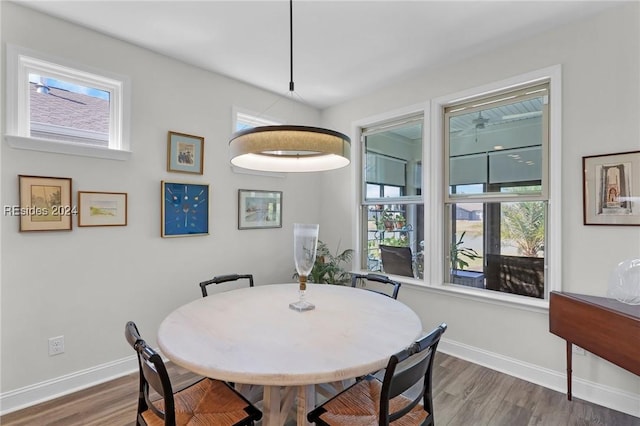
x: 22, y: 61
x: 359, y: 174
x: 514, y: 94
x: 436, y: 219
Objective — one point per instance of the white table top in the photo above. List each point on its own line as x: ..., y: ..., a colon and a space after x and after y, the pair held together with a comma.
x: 250, y: 335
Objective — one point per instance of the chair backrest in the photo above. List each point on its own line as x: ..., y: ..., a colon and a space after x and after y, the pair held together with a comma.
x: 377, y: 278
x: 223, y: 279
x: 515, y: 274
x: 404, y: 370
x: 153, y: 374
x: 397, y: 260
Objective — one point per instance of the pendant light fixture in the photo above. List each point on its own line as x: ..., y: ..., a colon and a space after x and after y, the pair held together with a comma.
x: 289, y: 148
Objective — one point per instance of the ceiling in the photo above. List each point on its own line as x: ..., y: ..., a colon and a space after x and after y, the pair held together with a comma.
x: 342, y: 49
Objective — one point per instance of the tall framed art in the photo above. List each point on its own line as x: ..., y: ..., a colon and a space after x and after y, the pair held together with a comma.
x: 611, y: 189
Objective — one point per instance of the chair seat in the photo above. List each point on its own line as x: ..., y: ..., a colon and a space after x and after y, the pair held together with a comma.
x: 359, y: 405
x: 207, y: 402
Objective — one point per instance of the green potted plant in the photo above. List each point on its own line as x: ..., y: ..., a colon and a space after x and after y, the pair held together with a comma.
x: 327, y: 268
x: 388, y: 219
x: 400, y: 220
x: 419, y: 261
x: 459, y: 254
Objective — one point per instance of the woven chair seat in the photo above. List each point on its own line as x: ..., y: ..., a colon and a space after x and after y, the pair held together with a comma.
x: 373, y: 402
x: 208, y: 402
x: 359, y: 405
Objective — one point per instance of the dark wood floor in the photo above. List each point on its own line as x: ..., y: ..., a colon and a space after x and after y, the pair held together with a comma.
x: 466, y: 394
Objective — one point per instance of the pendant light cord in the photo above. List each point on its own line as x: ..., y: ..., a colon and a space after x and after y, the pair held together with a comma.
x: 291, y: 89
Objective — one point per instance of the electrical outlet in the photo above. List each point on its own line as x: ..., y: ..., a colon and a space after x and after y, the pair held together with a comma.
x: 578, y: 350
x: 56, y: 345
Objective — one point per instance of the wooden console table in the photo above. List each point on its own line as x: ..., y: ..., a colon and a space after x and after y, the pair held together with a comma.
x: 605, y: 327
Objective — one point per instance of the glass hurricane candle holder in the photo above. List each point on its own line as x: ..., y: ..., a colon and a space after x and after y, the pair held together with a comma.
x: 305, y: 242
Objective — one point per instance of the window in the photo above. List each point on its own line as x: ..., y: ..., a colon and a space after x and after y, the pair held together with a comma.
x: 63, y: 111
x: 57, y: 107
x: 497, y: 191
x: 244, y: 119
x: 392, y: 205
x: 485, y: 218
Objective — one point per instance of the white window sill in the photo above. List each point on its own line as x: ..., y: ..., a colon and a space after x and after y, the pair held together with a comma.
x: 58, y: 147
x: 491, y: 297
x: 480, y: 295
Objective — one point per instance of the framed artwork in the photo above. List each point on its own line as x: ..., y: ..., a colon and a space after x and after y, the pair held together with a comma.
x: 102, y: 208
x: 259, y: 209
x: 45, y: 203
x: 611, y: 189
x: 185, y: 153
x: 185, y: 209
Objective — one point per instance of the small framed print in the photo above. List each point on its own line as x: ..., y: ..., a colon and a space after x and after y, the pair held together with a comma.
x: 45, y: 203
x: 184, y: 209
x: 102, y: 208
x: 185, y: 153
x: 259, y: 209
x: 611, y: 189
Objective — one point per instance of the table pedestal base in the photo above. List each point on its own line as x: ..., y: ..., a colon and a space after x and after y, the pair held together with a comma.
x: 278, y: 402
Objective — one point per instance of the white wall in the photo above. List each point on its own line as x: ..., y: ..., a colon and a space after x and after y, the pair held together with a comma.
x: 600, y: 60
x: 85, y: 284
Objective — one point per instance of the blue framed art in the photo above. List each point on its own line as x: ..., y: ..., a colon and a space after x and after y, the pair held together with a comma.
x: 185, y: 209
x: 185, y: 153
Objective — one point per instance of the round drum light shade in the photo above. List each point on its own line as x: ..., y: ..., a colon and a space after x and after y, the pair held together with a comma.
x: 289, y: 149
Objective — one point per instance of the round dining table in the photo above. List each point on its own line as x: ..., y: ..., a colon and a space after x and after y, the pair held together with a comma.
x: 251, y: 336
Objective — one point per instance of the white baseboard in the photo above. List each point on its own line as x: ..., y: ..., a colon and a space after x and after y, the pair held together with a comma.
x: 606, y: 396
x: 593, y: 392
x: 63, y: 385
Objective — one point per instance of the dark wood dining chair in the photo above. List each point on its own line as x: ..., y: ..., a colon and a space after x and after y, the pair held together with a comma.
x: 223, y: 279
x: 360, y: 280
x: 206, y: 402
x: 374, y: 402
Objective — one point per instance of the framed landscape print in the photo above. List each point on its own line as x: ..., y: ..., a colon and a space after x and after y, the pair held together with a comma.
x: 185, y: 153
x: 102, y: 208
x: 45, y: 203
x: 259, y: 209
x: 611, y: 189
x: 184, y: 209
